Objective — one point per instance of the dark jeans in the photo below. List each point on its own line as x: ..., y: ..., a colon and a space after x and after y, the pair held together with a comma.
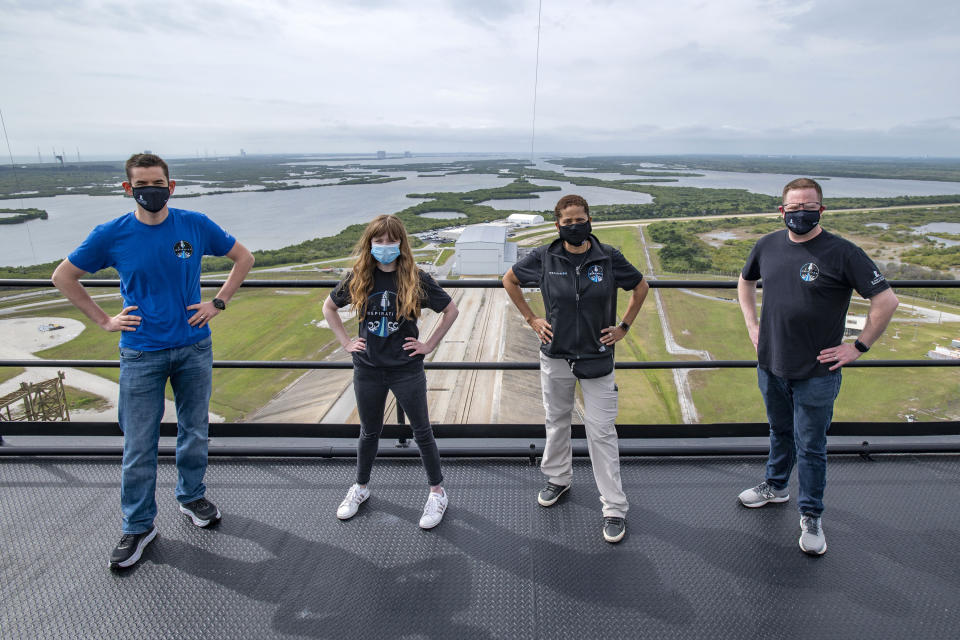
x: 409, y: 387
x: 800, y: 412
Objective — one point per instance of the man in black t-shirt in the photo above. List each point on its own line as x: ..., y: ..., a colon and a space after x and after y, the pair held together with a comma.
x: 808, y: 276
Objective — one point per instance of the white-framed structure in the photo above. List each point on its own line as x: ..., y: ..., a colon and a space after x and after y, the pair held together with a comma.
x: 524, y: 219
x: 483, y: 249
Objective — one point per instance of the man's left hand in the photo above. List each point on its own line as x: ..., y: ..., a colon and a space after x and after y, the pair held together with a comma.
x: 842, y: 354
x: 205, y: 312
x: 611, y: 335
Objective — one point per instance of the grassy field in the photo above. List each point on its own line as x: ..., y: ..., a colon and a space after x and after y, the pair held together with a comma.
x: 10, y: 372
x: 78, y: 399
x: 259, y: 325
x: 646, y: 396
x: 731, y: 395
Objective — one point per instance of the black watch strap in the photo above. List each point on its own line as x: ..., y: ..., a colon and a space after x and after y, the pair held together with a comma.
x: 623, y: 325
x: 862, y: 348
x: 219, y: 304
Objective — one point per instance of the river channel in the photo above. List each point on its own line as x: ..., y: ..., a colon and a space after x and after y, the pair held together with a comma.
x: 274, y: 219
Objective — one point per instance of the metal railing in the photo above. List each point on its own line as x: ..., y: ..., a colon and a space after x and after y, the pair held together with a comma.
x: 628, y: 432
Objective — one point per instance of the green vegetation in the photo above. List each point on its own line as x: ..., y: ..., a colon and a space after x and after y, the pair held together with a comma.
x: 17, y: 216
x: 445, y: 255
x: 647, y: 396
x: 80, y: 400
x: 934, y: 257
x: 685, y: 251
x: 940, y: 169
x: 8, y: 373
x: 287, y: 318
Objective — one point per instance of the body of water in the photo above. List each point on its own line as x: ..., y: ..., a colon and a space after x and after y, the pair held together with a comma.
x: 547, y: 199
x: 274, y: 219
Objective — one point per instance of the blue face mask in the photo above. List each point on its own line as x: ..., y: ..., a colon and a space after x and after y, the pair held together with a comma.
x: 151, y: 198
x: 385, y: 253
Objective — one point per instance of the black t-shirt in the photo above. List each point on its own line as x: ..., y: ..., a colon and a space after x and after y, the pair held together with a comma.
x: 380, y: 327
x: 806, y: 293
x: 576, y: 258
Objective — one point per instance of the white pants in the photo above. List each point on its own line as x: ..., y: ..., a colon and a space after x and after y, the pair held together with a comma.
x: 600, y: 402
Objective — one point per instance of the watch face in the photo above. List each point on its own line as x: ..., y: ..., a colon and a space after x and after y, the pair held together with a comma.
x: 219, y: 304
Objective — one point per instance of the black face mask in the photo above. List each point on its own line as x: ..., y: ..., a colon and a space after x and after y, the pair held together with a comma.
x: 801, y: 222
x: 151, y: 198
x: 575, y: 234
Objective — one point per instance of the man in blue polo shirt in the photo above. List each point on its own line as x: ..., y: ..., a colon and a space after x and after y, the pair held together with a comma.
x: 164, y: 335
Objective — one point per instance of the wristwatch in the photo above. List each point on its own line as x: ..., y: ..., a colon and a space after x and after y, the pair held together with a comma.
x: 623, y: 325
x: 862, y: 348
x: 219, y: 304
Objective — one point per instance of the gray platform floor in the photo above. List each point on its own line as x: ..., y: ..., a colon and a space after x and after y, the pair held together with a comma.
x: 694, y: 564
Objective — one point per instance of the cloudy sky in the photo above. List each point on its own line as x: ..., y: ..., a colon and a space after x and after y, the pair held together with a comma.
x: 843, y: 77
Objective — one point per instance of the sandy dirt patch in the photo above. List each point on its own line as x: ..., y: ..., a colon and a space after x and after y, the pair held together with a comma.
x: 20, y: 338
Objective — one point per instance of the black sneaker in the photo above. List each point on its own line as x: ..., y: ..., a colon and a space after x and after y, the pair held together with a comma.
x: 614, y: 528
x: 130, y: 548
x: 551, y: 493
x: 201, y: 511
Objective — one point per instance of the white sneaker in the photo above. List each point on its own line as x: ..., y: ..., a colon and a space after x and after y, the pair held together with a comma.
x: 356, y: 496
x: 812, y: 540
x: 433, y: 510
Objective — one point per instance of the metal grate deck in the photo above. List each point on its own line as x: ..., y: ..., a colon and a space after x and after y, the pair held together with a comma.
x: 694, y: 563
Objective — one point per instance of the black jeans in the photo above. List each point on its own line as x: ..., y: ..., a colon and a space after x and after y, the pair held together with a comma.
x: 409, y: 387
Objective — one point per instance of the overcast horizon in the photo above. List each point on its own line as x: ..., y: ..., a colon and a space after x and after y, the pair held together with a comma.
x: 743, y: 77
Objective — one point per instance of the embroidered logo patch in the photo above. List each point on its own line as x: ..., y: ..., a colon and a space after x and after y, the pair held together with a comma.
x: 809, y: 272
x: 595, y: 273
x: 183, y: 249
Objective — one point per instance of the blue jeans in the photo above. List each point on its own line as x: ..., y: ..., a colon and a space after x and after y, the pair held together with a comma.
x: 409, y: 386
x: 143, y: 377
x: 799, y: 412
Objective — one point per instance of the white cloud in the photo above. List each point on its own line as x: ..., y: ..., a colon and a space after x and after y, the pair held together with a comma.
x: 179, y: 76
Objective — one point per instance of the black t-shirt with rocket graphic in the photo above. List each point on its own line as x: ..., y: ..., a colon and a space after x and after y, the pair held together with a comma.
x: 383, y: 331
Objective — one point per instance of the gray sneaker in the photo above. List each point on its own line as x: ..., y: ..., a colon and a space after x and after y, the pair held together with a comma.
x: 762, y: 494
x: 551, y: 493
x: 812, y: 540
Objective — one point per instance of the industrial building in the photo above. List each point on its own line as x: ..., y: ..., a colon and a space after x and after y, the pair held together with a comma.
x: 524, y: 219
x: 483, y: 249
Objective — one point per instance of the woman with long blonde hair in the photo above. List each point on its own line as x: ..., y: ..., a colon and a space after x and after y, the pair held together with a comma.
x: 387, y: 290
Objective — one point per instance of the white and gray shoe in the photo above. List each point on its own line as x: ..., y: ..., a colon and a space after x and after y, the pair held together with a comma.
x: 434, y: 509
x: 812, y: 540
x: 763, y: 494
x: 356, y: 496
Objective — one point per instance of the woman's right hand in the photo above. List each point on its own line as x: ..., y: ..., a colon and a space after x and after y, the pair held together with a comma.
x: 542, y: 328
x: 355, y: 345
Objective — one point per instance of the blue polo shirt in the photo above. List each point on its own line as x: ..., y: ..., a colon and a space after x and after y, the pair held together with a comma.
x: 159, y: 269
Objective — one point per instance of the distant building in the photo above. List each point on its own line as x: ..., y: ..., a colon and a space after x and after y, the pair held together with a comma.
x: 451, y: 234
x: 243, y: 154
x: 407, y: 154
x: 381, y: 155
x: 482, y: 249
x: 854, y: 325
x: 944, y: 353
x: 524, y: 219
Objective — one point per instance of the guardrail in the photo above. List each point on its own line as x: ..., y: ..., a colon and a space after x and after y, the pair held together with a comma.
x: 629, y: 432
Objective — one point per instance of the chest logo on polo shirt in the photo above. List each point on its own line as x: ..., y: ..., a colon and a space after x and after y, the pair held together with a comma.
x: 595, y: 273
x: 381, y: 316
x: 183, y: 249
x: 809, y: 272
